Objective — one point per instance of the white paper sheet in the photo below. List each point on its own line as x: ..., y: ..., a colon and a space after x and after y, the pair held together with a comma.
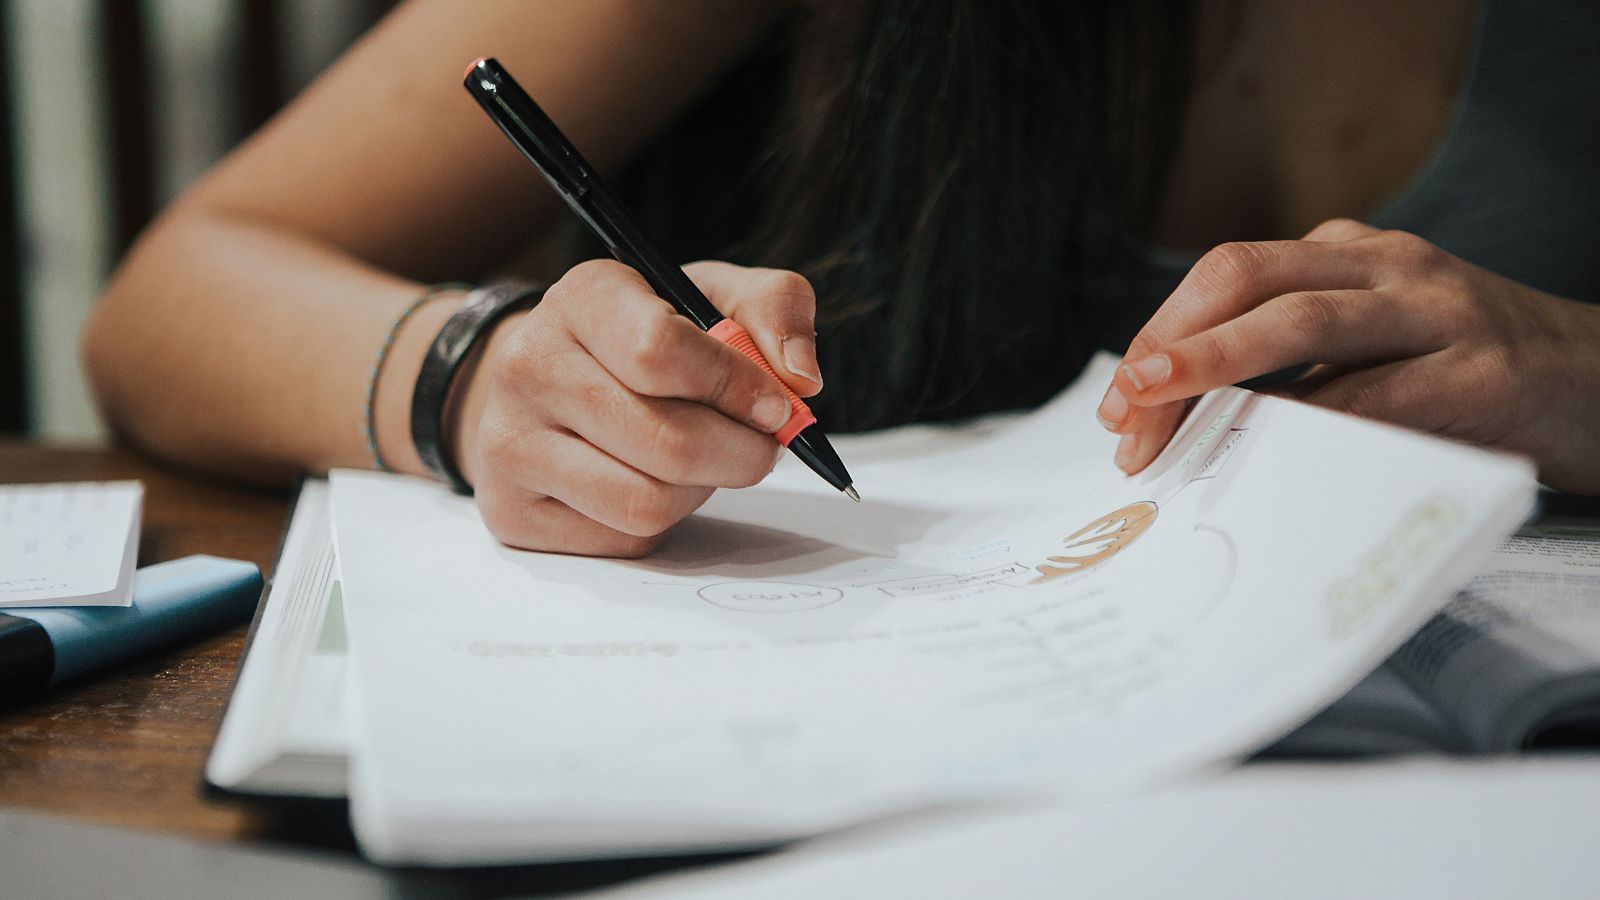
x: 1494, y: 829
x: 69, y: 544
x: 1005, y: 612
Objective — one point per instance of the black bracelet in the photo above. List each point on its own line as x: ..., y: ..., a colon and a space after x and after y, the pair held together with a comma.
x: 483, y: 308
x: 370, y: 411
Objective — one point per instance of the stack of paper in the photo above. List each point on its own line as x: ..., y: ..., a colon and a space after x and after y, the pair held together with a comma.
x: 1004, y: 615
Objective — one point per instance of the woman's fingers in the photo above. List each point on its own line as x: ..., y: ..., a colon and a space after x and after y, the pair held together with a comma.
x: 1226, y: 283
x: 1341, y: 328
x: 1237, y: 277
x: 1337, y: 327
x: 1396, y: 329
x: 777, y: 307
x: 638, y: 337
x: 534, y: 521
x: 1156, y: 425
x: 611, y: 417
x: 1458, y: 392
x: 603, y: 488
x: 677, y: 441
x: 1248, y: 309
x: 1409, y: 392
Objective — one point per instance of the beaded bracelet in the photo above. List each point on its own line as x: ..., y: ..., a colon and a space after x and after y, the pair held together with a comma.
x: 370, y: 413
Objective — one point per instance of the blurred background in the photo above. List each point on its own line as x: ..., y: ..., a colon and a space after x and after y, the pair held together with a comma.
x: 109, y: 108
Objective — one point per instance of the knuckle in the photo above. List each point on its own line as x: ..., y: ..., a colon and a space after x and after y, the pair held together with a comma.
x: 1458, y: 297
x: 1458, y: 284
x: 595, y: 270
x: 673, y: 449
x: 748, y: 465
x: 1232, y: 265
x: 1143, y: 344
x: 647, y: 509
x: 1311, y: 315
x: 516, y: 521
x: 499, y: 521
x: 577, y: 285
x: 654, y: 347
x: 497, y: 445
x: 1412, y: 253
x: 556, y: 297
x: 788, y: 285
x: 1338, y: 228
x: 756, y: 469
x: 1459, y: 320
x: 1211, y: 350
x: 521, y: 362
x: 595, y: 397
x: 1369, y: 401
x: 721, y: 384
x: 1494, y: 376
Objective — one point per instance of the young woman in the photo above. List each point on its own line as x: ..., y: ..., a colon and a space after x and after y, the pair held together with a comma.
x: 980, y: 194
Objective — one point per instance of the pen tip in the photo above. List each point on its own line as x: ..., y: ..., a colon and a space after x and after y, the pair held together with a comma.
x: 850, y: 492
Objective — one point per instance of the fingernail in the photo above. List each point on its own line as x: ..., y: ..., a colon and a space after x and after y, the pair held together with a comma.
x: 770, y: 412
x: 1113, y: 409
x: 1148, y: 372
x: 1125, y: 451
x: 801, y: 357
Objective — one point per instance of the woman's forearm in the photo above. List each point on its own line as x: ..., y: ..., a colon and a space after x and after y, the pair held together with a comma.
x: 239, y: 334
x: 236, y: 347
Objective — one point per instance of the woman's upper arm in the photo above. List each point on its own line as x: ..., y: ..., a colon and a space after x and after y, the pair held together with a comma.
x: 388, y: 159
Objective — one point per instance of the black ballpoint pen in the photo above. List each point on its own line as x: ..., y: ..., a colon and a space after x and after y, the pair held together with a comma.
x: 554, y: 156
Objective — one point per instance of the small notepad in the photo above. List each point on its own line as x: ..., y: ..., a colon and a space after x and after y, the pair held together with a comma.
x: 70, y: 544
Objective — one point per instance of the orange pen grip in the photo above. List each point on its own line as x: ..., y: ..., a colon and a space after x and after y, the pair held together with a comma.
x: 733, y: 334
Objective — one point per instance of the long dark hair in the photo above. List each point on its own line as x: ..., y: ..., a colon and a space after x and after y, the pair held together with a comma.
x: 958, y: 178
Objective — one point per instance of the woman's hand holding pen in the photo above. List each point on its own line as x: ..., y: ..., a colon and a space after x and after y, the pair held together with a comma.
x: 1398, y: 330
x: 601, y: 418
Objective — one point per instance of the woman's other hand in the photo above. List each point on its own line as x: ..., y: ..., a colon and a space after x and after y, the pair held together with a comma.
x: 601, y: 418
x: 1399, y: 330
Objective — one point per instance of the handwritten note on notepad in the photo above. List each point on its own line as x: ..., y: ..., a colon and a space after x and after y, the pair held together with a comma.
x: 70, y: 544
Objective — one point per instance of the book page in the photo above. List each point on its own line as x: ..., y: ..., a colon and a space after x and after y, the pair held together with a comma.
x: 69, y: 544
x: 1005, y: 612
x: 286, y: 730
x: 1382, y: 714
x: 1518, y: 653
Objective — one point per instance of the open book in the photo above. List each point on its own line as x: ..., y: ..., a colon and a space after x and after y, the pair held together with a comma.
x: 1005, y: 616
x: 1512, y: 663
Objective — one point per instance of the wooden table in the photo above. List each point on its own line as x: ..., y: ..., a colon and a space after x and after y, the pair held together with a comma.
x: 127, y: 746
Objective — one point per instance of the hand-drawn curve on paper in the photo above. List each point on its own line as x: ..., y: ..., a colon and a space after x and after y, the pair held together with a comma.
x: 769, y: 596
x: 1097, y: 542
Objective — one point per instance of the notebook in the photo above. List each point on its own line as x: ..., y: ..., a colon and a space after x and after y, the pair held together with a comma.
x: 1005, y: 617
x: 69, y: 543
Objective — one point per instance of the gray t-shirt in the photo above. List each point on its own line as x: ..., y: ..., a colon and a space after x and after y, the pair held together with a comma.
x: 1513, y: 187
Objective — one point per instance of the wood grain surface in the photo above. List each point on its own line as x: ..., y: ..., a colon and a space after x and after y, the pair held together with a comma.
x: 126, y: 746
